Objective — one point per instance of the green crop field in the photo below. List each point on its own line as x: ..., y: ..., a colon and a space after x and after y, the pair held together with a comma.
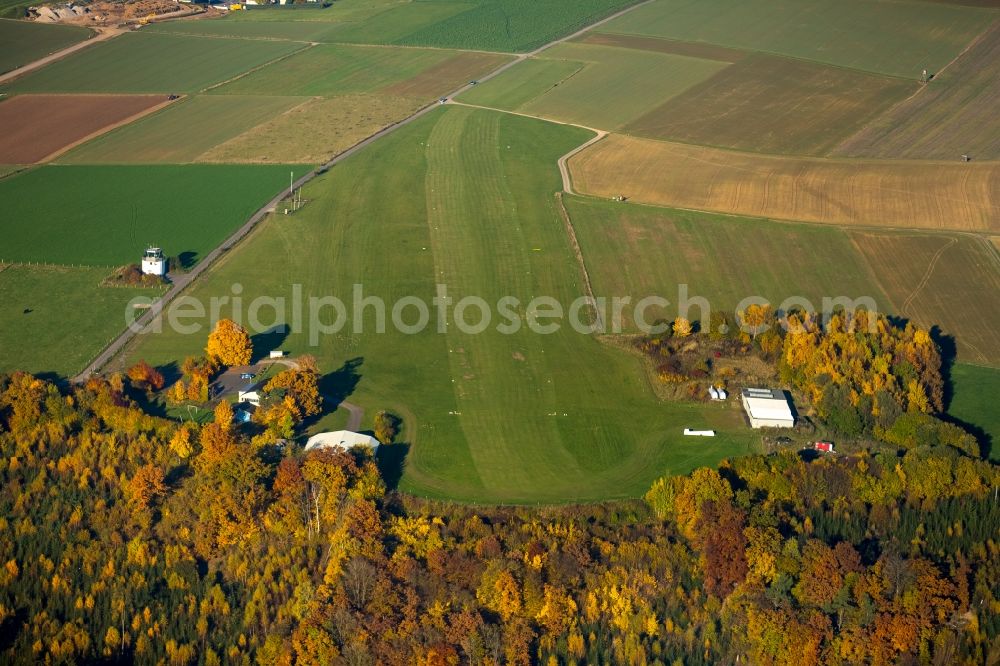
x: 397, y: 23
x: 775, y: 105
x: 150, y: 62
x: 341, y: 11
x: 641, y: 251
x: 22, y: 42
x: 513, y: 25
x: 334, y: 69
x: 301, y: 31
x: 491, y: 417
x: 596, y: 86
x: 117, y: 211
x: 68, y: 321
x: 183, y: 131
x: 973, y: 401
x: 897, y: 38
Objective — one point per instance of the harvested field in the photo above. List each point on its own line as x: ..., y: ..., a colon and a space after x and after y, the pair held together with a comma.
x: 956, y: 113
x: 951, y: 281
x: 146, y: 62
x: 23, y: 42
x: 39, y: 126
x: 775, y: 105
x: 641, y: 251
x: 446, y: 76
x: 337, y: 69
x: 658, y: 45
x: 928, y: 195
x: 315, y: 131
x: 182, y: 132
x: 897, y: 38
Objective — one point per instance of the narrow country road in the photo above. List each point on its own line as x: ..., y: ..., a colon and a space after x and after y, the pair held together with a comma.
x: 182, y: 281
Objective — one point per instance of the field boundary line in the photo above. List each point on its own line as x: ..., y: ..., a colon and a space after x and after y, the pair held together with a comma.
x: 261, y: 66
x: 142, y: 323
x: 103, y: 34
x: 110, y: 128
x: 578, y: 253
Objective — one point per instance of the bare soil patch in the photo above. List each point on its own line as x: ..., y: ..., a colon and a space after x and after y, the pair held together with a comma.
x: 39, y: 127
x: 446, y: 76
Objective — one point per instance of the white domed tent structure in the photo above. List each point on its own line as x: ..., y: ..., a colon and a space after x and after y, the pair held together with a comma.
x: 344, y: 440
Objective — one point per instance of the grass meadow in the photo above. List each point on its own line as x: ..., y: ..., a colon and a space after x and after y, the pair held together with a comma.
x: 118, y: 210
x: 642, y: 251
x: 491, y: 417
x: 895, y: 38
x: 183, y: 131
x: 22, y: 42
x: 150, y: 62
x: 973, y: 402
x: 69, y: 320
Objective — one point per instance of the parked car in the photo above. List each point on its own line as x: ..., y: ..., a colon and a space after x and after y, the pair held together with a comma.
x: 246, y: 375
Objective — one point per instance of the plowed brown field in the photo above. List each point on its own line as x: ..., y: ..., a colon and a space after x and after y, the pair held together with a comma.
x: 928, y: 195
x: 36, y: 127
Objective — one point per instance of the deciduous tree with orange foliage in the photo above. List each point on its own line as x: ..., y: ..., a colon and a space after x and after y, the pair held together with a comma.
x: 229, y: 344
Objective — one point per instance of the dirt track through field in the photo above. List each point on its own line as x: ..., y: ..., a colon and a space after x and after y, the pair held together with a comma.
x: 37, y: 128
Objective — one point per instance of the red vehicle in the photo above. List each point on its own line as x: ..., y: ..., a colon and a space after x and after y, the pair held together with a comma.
x: 824, y: 447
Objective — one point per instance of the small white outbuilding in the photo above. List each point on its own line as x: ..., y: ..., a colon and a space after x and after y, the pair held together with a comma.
x: 344, y: 440
x: 767, y: 408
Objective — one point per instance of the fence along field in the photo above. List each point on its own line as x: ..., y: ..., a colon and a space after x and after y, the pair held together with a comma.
x: 118, y: 210
x: 182, y: 132
x: 928, y: 195
x: 595, y: 86
x: 144, y: 62
x: 37, y: 126
x: 56, y: 318
x: 768, y: 104
x: 946, y: 280
x: 642, y: 250
x: 956, y: 113
x: 895, y: 38
x: 487, y: 410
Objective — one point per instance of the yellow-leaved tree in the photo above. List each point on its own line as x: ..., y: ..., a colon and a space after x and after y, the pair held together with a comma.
x: 229, y: 344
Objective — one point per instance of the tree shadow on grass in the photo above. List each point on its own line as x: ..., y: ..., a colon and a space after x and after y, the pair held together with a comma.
x: 391, y: 460
x: 337, y: 386
x: 270, y: 339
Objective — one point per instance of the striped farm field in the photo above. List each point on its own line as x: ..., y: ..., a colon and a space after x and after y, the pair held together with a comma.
x: 35, y: 127
x: 926, y: 195
x: 895, y: 38
x: 181, y: 133
x: 141, y: 62
x: 946, y: 280
x: 596, y: 86
x: 956, y: 113
x: 774, y: 105
x: 338, y: 69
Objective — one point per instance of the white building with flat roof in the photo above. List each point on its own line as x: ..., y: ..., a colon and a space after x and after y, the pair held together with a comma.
x: 767, y: 408
x: 342, y: 439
